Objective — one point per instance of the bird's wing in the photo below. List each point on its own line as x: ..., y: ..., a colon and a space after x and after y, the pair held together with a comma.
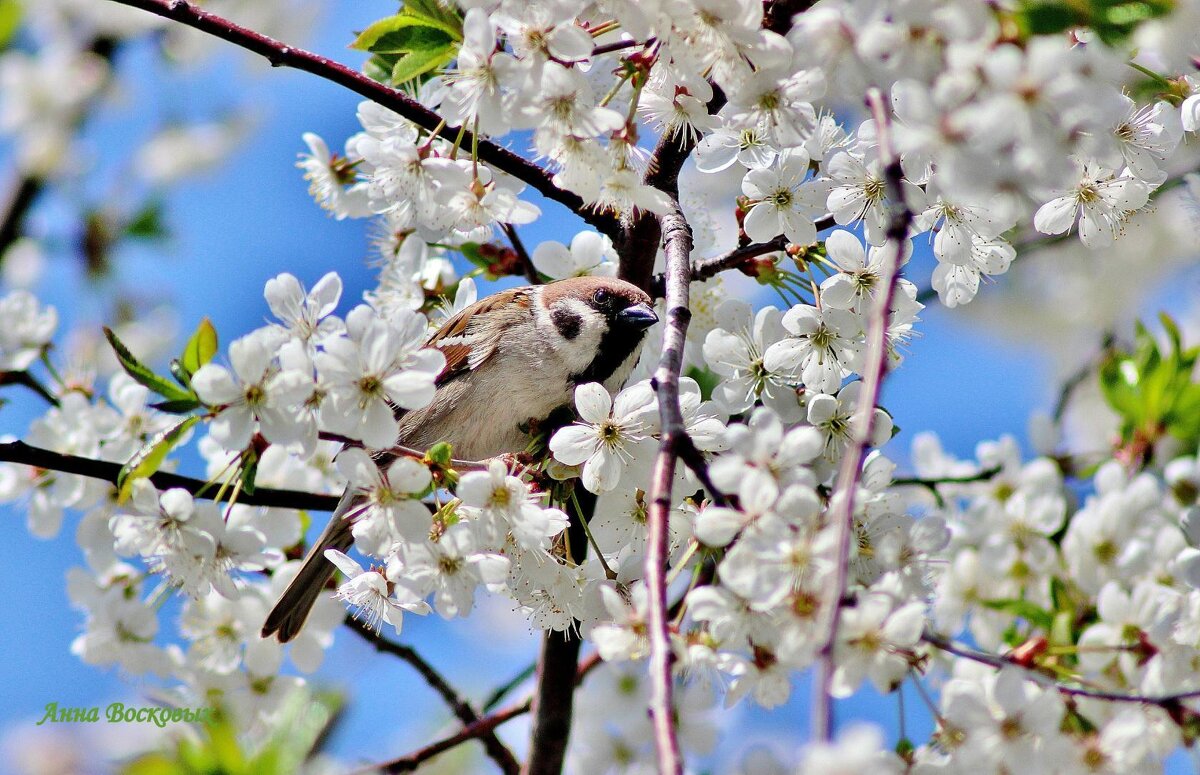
x: 471, y: 337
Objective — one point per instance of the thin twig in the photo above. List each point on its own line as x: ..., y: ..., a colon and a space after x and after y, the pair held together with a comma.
x: 504, y: 689
x: 531, y: 272
x: 22, y: 193
x: 677, y: 241
x: 483, y: 726
x: 620, y: 45
x: 27, y: 380
x: 282, y: 55
x: 497, y: 750
x: 841, y: 508
x: 20, y: 452
x: 999, y: 661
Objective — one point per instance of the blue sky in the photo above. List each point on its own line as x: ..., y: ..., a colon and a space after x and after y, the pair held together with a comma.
x: 252, y: 219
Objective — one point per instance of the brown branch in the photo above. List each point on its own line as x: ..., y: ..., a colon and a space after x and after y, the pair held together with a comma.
x: 841, y: 509
x: 470, y: 732
x: 1001, y: 660
x: 20, y: 452
x: 282, y: 55
x: 24, y: 191
x: 483, y: 726
x: 620, y: 45
x: 677, y: 240
x: 27, y: 380
x: 531, y: 272
x: 554, y: 696
x: 461, y: 708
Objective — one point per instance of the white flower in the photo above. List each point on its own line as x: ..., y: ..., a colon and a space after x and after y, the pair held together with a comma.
x: 332, y: 181
x: 783, y: 202
x: 381, y: 363
x: 859, y: 750
x: 590, y: 253
x: 1101, y: 200
x: 734, y: 350
x: 25, y: 329
x: 502, y: 503
x: 392, y: 512
x: 825, y: 346
x: 374, y: 595
x: 609, y: 434
x: 871, y: 638
x: 763, y: 460
x: 450, y: 568
x: 305, y: 316
x: 257, y: 389
x: 726, y: 145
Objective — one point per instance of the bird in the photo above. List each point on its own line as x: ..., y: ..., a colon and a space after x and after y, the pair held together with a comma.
x: 512, y: 357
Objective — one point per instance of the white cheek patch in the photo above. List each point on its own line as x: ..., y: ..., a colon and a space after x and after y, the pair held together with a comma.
x: 579, y: 351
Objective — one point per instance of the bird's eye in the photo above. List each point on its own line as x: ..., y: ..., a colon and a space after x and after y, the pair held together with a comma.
x: 601, y: 296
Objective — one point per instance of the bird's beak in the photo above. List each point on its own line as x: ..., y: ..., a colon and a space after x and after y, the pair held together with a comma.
x: 637, y: 317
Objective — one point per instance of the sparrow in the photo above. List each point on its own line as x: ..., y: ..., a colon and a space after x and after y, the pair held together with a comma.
x: 512, y: 357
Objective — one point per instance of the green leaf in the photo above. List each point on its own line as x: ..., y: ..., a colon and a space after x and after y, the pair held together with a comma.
x: 706, y: 379
x: 142, y: 374
x: 10, y: 21
x: 150, y: 457
x: 1036, y: 615
x: 413, y: 65
x: 147, y: 223
x: 177, y: 407
x: 200, y: 347
x: 404, y: 36
x: 249, y: 472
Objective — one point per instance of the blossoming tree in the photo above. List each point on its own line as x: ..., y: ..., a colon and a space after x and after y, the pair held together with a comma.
x: 726, y: 522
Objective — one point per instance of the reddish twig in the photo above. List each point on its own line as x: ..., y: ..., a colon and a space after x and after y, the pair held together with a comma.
x: 998, y: 661
x: 531, y: 272
x: 483, y: 726
x: 282, y: 55
x: 677, y: 239
x: 841, y: 508
x: 20, y: 452
x: 497, y: 750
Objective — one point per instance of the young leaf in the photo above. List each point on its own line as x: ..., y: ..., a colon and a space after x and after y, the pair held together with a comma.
x: 142, y: 374
x: 413, y: 65
x: 200, y: 347
x: 151, y: 456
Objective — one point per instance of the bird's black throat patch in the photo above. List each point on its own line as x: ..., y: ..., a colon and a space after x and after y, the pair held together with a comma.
x: 617, y: 344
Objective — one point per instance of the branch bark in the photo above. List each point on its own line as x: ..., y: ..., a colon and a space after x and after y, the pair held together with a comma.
x: 841, y: 508
x: 1000, y: 660
x: 283, y: 55
x: 483, y: 726
x: 462, y: 709
x: 677, y: 239
x: 20, y: 452
x: 554, y: 698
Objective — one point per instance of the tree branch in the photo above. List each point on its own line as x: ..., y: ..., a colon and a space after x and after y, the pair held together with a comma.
x: 483, y: 726
x: 677, y: 240
x: 20, y: 452
x: 27, y: 380
x: 841, y: 503
x: 470, y: 732
x: 23, y: 192
x: 531, y: 272
x: 282, y: 55
x: 461, y: 708
x: 1000, y: 660
x: 554, y: 697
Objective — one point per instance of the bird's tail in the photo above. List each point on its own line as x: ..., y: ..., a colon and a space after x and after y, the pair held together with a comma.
x: 290, y: 613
